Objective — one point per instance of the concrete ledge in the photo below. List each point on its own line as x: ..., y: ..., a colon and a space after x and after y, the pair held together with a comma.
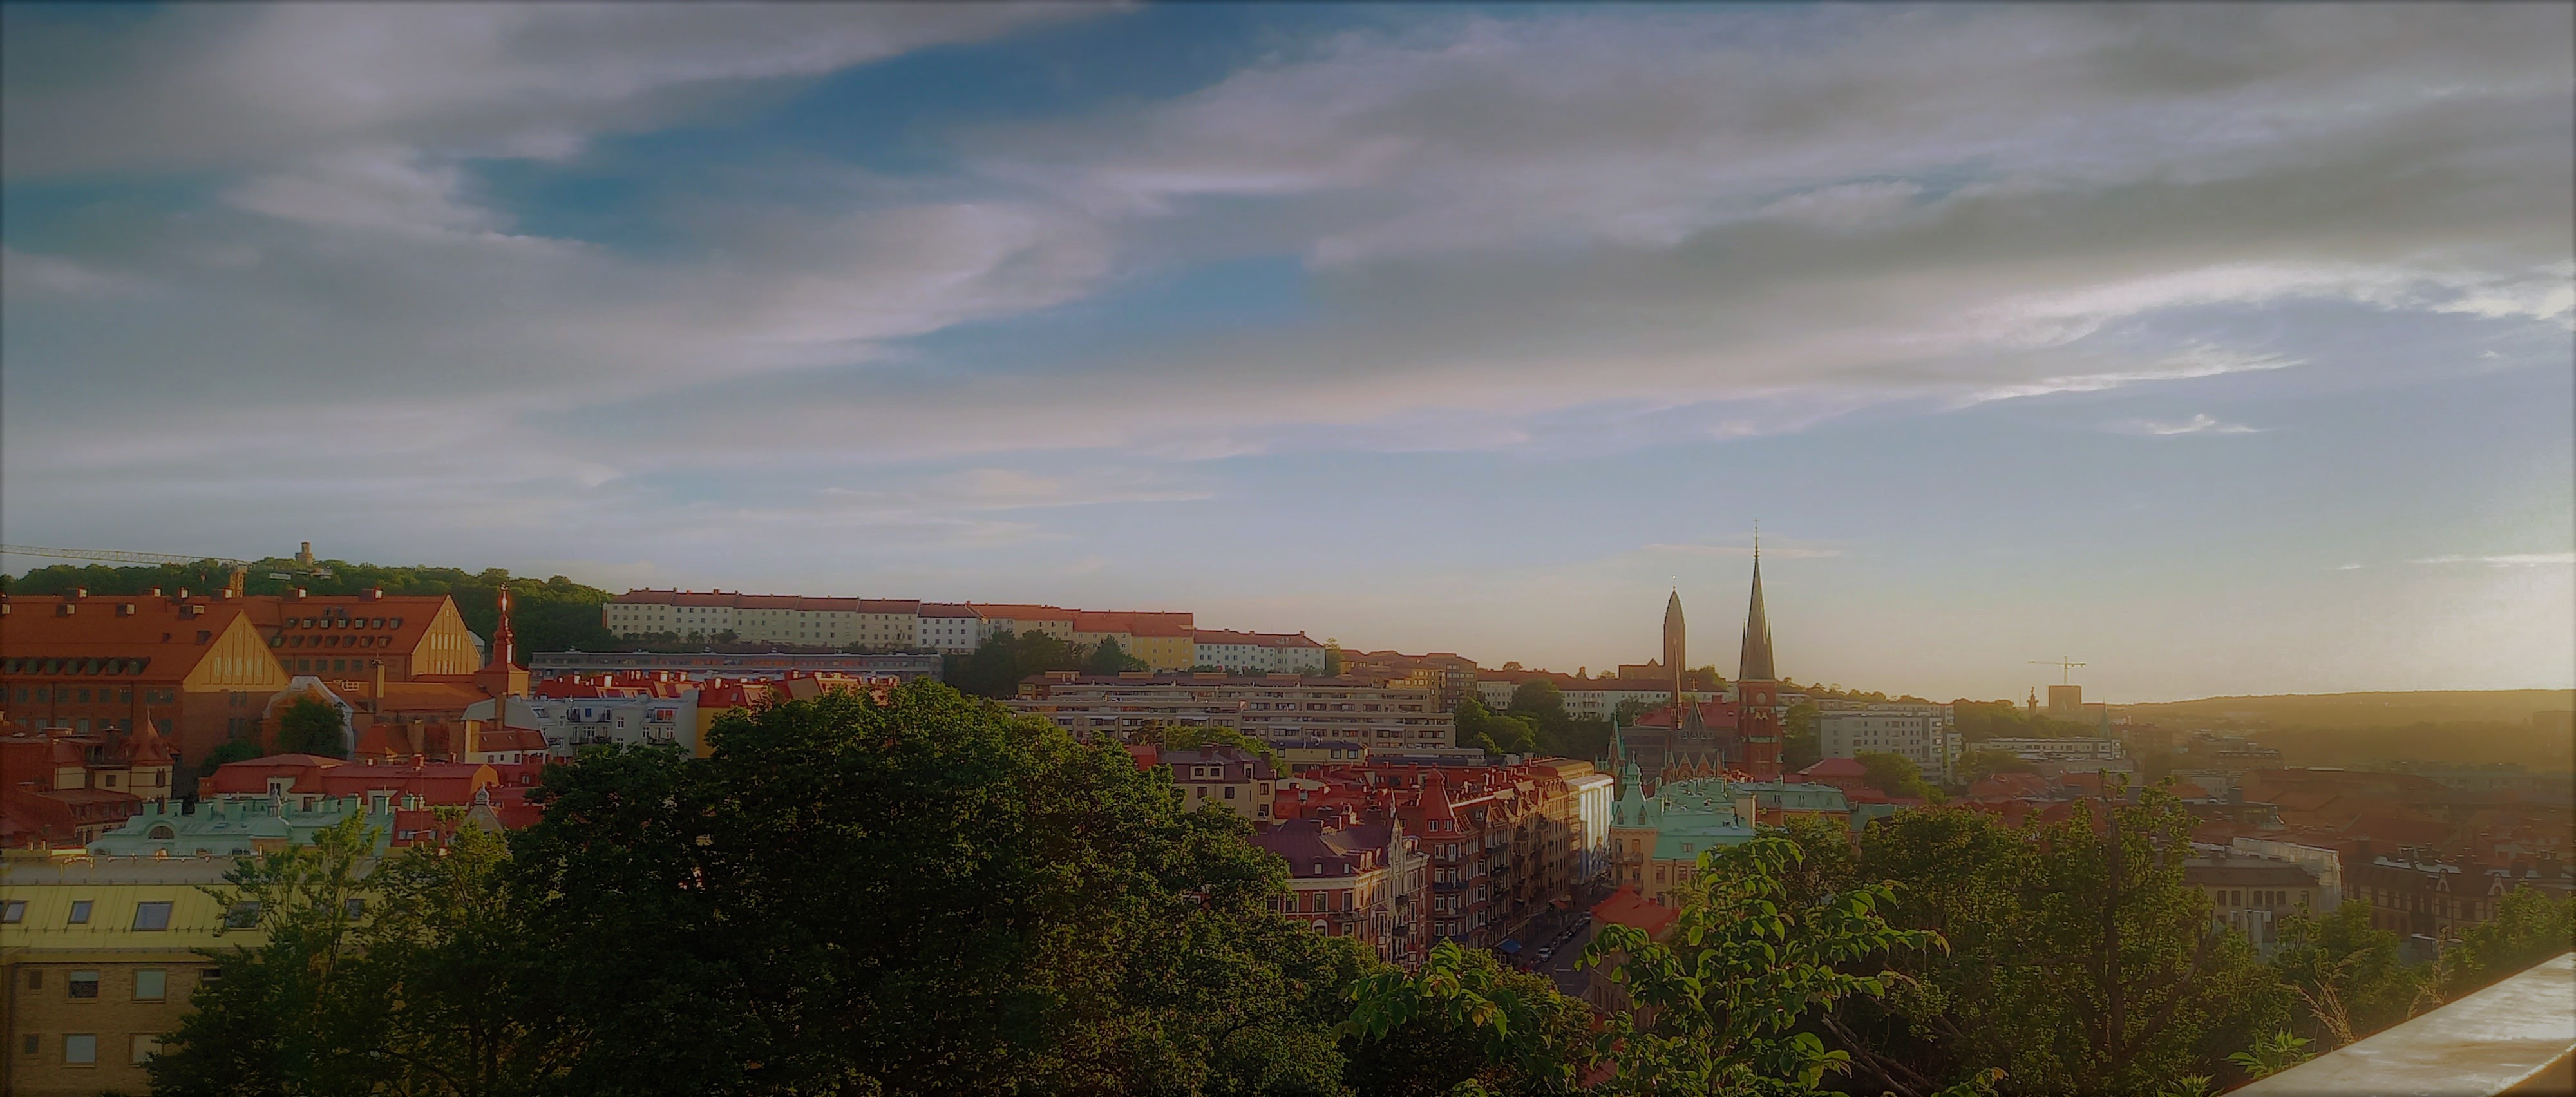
x: 2518, y: 1037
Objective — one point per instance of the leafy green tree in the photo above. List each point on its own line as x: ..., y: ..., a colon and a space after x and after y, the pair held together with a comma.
x: 1464, y: 1019
x: 996, y: 666
x: 1744, y: 969
x: 1538, y: 699
x: 1332, y: 658
x: 310, y: 725
x: 2348, y: 973
x: 1897, y: 775
x: 2529, y: 926
x: 1800, y: 745
x: 294, y: 1015
x: 1193, y: 737
x: 2079, y: 959
x: 229, y: 751
x: 552, y: 615
x: 1626, y: 712
x: 1498, y: 733
x: 1977, y: 765
x: 1106, y: 657
x: 928, y: 895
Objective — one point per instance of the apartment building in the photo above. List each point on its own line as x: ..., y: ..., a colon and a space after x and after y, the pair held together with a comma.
x: 1164, y: 640
x: 1273, y: 707
x: 1348, y: 877
x: 402, y: 636
x: 888, y: 623
x: 1923, y: 734
x: 99, y: 956
x: 1450, y: 676
x: 950, y: 628
x: 1257, y: 652
x: 1229, y: 777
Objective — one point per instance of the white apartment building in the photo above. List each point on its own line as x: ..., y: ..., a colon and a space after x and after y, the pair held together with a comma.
x: 1921, y: 733
x: 889, y: 623
x: 1257, y: 652
x: 2060, y: 750
x: 1277, y: 708
x: 571, y: 723
x: 948, y: 627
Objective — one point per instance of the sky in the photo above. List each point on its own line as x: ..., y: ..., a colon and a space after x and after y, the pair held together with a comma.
x: 2224, y: 349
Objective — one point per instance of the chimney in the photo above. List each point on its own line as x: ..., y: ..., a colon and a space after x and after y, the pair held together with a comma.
x: 125, y: 609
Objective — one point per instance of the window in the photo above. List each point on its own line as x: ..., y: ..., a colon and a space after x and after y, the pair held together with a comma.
x: 84, y: 984
x: 80, y: 913
x: 13, y: 912
x: 28, y: 1046
x: 80, y: 1049
x: 151, y: 985
x: 151, y: 917
x: 355, y: 908
x: 35, y: 979
x: 146, y: 1045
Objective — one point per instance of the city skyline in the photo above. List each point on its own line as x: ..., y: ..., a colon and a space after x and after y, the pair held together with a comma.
x: 1444, y: 328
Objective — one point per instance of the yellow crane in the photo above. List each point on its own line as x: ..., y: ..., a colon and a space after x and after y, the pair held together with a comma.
x: 239, y: 569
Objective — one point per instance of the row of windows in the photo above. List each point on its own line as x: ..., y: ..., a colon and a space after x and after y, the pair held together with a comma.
x: 69, y: 695
x: 345, y: 622
x: 73, y: 666
x: 80, y: 1049
x: 149, y: 985
x: 149, y: 916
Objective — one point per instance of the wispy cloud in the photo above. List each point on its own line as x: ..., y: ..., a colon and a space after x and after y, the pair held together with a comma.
x: 1786, y: 552
x: 2202, y: 423
x: 2507, y: 560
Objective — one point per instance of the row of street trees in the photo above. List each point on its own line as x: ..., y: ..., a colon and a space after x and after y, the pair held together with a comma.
x: 932, y: 896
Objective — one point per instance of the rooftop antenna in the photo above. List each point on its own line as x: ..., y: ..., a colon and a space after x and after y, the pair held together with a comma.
x: 2065, y: 667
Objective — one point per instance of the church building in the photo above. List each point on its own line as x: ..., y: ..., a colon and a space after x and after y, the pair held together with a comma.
x: 1738, y: 738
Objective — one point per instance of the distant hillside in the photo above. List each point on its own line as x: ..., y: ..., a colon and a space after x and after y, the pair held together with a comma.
x: 2357, y: 710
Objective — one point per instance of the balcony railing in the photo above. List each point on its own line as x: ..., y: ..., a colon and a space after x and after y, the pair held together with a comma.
x: 2517, y: 1037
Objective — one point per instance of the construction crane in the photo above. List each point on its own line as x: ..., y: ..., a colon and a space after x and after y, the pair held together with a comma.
x: 2066, y: 668
x: 240, y: 569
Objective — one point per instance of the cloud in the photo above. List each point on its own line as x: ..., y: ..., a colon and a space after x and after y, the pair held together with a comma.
x: 2506, y: 560
x: 1604, y: 228
x: 235, y: 85
x: 2201, y: 423
x: 2348, y: 567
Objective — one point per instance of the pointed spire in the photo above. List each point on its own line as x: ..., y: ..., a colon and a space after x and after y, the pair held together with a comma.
x: 1755, y: 663
x: 1675, y: 651
x: 504, y: 645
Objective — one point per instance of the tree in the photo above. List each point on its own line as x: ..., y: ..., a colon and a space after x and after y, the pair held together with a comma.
x: 2348, y: 973
x: 1498, y: 733
x: 2528, y: 927
x: 292, y: 1016
x: 2079, y: 959
x: 996, y: 666
x: 1463, y: 1019
x: 1745, y: 966
x: 1107, y: 657
x: 311, y: 725
x: 230, y: 751
x: 1977, y: 765
x: 1538, y: 699
x: 926, y: 895
x: 1194, y: 737
x: 1897, y: 775
x: 1800, y: 745
x: 1332, y: 658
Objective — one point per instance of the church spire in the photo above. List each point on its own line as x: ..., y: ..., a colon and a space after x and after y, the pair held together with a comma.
x: 1755, y: 665
x: 1674, y: 652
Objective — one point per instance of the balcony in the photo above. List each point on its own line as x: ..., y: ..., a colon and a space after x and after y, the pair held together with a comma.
x: 2517, y: 1037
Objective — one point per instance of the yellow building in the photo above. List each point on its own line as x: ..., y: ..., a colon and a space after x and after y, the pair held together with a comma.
x: 99, y: 957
